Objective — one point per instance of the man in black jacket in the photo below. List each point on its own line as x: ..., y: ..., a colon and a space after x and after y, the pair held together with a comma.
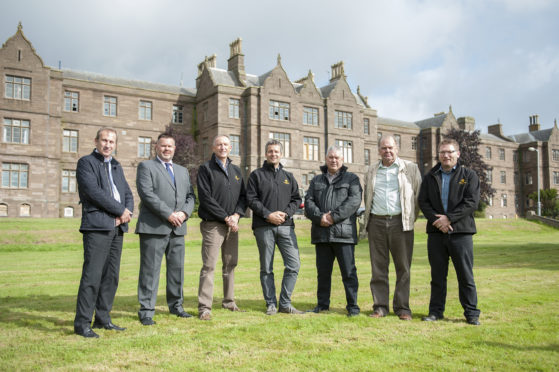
x: 107, y: 205
x: 331, y: 203
x: 273, y: 196
x: 448, y: 197
x: 222, y: 196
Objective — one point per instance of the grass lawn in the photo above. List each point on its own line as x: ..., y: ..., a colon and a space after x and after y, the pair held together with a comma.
x: 516, y: 272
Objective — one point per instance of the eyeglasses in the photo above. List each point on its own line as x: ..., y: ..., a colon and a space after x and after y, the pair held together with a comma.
x: 447, y: 152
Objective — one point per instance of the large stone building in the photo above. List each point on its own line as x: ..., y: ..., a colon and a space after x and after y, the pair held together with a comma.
x: 50, y: 117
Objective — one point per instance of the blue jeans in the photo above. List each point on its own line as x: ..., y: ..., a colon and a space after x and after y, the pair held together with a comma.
x: 267, y: 237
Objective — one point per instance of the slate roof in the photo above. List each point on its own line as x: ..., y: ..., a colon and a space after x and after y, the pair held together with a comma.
x: 434, y: 122
x: 100, y: 78
x: 538, y: 135
x: 397, y: 123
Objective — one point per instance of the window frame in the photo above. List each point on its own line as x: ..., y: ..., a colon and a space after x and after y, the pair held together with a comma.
x: 110, y: 108
x: 277, y: 110
x: 69, y: 141
x: 145, y: 110
x: 347, y: 149
x: 68, y: 179
x: 24, y: 131
x: 234, y: 108
x: 343, y: 120
x: 177, y: 115
x: 74, y: 101
x: 311, y: 147
x: 235, y: 144
x: 312, y: 114
x: 9, y: 169
x: 11, y: 82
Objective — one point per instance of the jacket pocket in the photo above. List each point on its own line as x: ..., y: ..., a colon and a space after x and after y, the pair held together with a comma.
x: 342, y: 230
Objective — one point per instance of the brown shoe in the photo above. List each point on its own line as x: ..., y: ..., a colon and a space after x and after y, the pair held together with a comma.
x: 205, y: 315
x: 404, y: 316
x: 377, y: 314
x: 234, y: 307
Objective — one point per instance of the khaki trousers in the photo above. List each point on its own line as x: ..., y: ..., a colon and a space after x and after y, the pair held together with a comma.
x: 216, y: 236
x: 385, y: 237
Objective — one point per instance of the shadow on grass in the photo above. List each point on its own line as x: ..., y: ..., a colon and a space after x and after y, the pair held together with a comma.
x: 35, y: 311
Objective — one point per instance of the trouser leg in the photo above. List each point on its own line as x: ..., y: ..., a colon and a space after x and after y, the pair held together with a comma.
x: 266, y: 241
x: 324, y: 264
x: 401, y: 248
x: 109, y: 279
x: 380, y: 260
x: 229, y: 259
x: 462, y: 254
x: 287, y: 245
x: 345, y: 254
x: 211, y: 241
x: 175, y: 273
x: 438, y: 260
x: 96, y: 247
x: 152, y: 248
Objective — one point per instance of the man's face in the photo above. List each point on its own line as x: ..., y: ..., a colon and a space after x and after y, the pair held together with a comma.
x: 165, y: 149
x: 388, y: 151
x: 334, y: 161
x: 221, y: 148
x: 448, y: 156
x: 273, y: 155
x: 106, y: 143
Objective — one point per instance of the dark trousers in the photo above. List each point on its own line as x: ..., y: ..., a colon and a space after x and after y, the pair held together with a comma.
x: 152, y: 248
x: 460, y: 248
x: 99, y: 281
x: 325, y: 255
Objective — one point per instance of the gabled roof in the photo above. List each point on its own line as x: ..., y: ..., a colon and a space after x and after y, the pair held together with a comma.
x: 434, y: 122
x: 326, y: 90
x: 397, y: 123
x: 99, y: 78
x: 537, y: 135
x: 223, y: 77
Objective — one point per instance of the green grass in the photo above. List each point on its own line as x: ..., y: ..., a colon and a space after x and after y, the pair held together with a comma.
x: 516, y: 271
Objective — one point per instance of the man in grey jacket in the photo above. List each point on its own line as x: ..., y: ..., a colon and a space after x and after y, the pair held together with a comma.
x: 331, y: 204
x: 391, y: 190
x: 167, y: 202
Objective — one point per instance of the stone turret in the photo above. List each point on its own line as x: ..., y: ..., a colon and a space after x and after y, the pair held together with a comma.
x: 337, y: 71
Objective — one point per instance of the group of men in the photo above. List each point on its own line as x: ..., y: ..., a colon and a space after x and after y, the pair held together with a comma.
x: 394, y: 193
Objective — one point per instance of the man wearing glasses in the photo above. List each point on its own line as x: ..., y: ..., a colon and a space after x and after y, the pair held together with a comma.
x: 448, y: 197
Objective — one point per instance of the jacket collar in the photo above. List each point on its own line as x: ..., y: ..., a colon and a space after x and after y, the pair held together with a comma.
x: 270, y: 167
x: 101, y: 158
x: 324, y: 169
x: 214, y: 160
x: 437, y: 168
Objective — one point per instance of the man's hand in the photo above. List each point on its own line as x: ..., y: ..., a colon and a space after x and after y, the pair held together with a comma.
x: 177, y: 218
x: 326, y: 220
x: 233, y: 222
x: 442, y: 223
x: 126, y: 216
x: 277, y: 217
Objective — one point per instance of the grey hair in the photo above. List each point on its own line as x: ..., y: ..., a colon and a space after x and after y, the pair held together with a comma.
x: 386, y: 136
x: 336, y: 149
x: 273, y: 142
x: 220, y: 135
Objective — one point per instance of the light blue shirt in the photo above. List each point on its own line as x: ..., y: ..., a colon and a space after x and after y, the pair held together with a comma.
x: 445, y: 186
x: 386, y: 200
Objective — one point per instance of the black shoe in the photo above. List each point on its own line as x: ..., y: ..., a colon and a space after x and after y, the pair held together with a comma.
x: 147, y: 321
x: 87, y: 333
x: 473, y: 321
x: 352, y: 314
x: 110, y: 326
x: 431, y: 318
x: 183, y: 314
x: 318, y: 309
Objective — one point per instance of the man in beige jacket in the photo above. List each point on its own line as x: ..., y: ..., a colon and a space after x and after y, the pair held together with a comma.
x: 391, y: 190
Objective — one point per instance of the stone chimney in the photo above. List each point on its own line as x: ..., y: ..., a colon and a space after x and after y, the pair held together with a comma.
x: 534, y: 123
x: 337, y: 71
x: 496, y: 130
x: 236, y: 62
x: 211, y: 62
x: 466, y: 123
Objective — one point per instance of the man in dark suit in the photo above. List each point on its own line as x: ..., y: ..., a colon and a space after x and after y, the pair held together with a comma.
x: 167, y: 202
x: 107, y: 205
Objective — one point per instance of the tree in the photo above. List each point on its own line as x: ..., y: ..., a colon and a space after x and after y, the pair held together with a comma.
x: 469, y: 156
x: 550, y: 203
x: 185, y: 153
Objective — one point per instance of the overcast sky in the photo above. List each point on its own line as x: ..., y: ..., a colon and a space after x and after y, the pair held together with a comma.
x: 494, y: 60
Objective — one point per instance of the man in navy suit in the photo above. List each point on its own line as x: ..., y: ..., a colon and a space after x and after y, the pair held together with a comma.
x: 107, y: 205
x: 167, y: 202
